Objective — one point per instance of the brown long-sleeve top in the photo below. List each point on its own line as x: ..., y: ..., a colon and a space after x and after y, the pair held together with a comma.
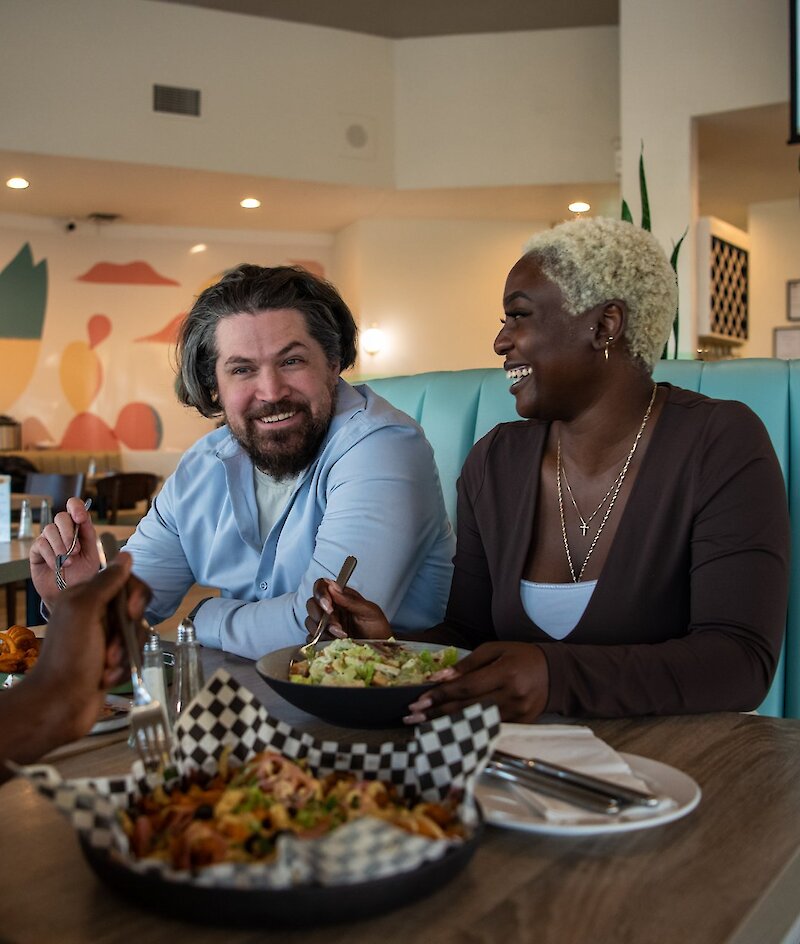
x: 689, y: 611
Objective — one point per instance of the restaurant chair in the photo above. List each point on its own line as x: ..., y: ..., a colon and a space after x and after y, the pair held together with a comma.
x: 125, y: 491
x: 18, y: 468
x: 58, y: 487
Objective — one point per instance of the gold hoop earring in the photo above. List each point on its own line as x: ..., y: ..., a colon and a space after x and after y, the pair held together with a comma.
x: 608, y: 344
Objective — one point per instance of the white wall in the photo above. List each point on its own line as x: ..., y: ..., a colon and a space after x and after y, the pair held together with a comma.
x: 277, y: 97
x: 434, y: 287
x: 677, y: 60
x: 507, y: 108
x: 774, y: 259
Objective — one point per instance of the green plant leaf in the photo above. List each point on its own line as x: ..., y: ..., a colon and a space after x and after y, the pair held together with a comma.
x: 676, y: 248
x: 626, y: 215
x: 643, y: 192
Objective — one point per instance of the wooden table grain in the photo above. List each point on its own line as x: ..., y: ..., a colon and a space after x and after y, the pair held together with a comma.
x: 729, y: 872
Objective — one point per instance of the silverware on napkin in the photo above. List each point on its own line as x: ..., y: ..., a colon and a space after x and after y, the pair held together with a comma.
x: 564, y: 783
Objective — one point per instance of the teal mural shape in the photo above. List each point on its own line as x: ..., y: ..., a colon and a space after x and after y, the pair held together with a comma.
x: 23, y: 296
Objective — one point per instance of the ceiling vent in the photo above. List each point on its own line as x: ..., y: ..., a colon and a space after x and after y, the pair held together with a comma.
x: 176, y: 101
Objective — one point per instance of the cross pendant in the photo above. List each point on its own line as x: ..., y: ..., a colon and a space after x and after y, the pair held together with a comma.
x: 584, y: 527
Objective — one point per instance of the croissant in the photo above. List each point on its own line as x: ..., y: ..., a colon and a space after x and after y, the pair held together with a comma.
x: 19, y: 649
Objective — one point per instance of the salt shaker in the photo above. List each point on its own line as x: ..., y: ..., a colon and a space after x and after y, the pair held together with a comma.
x: 188, y: 679
x: 45, y: 515
x: 25, y: 520
x: 153, y: 674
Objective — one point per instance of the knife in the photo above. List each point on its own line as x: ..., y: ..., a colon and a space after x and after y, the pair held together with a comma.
x: 556, y: 773
x: 558, y: 789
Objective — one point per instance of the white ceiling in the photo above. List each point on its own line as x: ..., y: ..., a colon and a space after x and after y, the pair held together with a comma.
x: 743, y: 156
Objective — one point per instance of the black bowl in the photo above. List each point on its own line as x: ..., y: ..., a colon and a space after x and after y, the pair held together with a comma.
x: 348, y: 707
x: 300, y: 906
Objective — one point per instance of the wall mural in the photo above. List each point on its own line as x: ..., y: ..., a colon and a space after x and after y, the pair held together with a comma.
x: 104, y: 381
x: 23, y: 298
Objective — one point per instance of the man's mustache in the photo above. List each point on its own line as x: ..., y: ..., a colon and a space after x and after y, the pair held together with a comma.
x: 275, y: 409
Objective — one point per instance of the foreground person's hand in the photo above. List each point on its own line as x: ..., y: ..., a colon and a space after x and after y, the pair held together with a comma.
x: 350, y: 614
x: 60, y: 698
x: 56, y: 538
x: 512, y: 675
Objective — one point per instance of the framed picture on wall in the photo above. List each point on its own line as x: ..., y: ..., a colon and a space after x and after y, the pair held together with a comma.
x: 786, y: 342
x: 793, y: 300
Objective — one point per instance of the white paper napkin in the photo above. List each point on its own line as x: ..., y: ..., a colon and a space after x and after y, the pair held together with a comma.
x: 578, y: 748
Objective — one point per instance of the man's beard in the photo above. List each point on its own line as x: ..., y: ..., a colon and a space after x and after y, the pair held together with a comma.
x: 283, y: 454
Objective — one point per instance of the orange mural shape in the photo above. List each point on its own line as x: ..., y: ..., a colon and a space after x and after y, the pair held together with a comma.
x: 310, y: 265
x: 166, y: 335
x: 125, y: 273
x: 35, y: 433
x: 139, y: 426
x: 81, y: 375
x: 87, y: 431
x: 98, y: 328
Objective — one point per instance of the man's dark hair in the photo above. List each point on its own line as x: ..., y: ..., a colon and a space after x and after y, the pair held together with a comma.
x: 251, y: 289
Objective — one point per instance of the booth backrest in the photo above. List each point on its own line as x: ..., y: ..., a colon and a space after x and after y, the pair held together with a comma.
x: 456, y: 408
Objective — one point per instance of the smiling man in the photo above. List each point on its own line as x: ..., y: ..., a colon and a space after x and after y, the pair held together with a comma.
x: 305, y: 470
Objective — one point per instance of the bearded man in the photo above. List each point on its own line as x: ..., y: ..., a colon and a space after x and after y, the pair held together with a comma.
x: 305, y: 470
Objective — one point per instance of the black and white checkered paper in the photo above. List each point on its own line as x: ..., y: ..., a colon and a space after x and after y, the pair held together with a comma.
x: 446, y: 753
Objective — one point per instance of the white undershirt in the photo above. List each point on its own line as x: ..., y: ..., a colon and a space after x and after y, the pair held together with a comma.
x: 556, y: 608
x: 271, y: 498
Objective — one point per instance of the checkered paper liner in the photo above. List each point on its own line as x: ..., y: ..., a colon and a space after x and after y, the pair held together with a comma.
x: 448, y: 752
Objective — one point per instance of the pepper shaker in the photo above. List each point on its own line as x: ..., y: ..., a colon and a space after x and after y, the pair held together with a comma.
x: 188, y: 679
x: 45, y: 515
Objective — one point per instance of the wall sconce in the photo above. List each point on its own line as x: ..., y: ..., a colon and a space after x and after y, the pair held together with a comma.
x: 579, y: 207
x: 373, y: 340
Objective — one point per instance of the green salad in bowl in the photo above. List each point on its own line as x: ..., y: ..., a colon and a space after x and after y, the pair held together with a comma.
x: 349, y: 663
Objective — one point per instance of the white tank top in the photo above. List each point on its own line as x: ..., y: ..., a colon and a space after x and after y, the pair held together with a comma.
x: 556, y: 608
x: 271, y: 499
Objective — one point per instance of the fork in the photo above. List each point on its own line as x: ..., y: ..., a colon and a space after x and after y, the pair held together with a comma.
x: 307, y: 651
x: 60, y: 558
x: 149, y: 724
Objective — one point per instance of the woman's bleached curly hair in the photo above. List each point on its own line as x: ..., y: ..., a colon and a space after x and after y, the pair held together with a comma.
x: 600, y: 259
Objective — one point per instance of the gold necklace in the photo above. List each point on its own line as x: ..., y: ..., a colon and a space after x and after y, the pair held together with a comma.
x: 613, y: 491
x: 585, y: 522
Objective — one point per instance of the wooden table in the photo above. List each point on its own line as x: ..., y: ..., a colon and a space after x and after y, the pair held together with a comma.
x: 729, y: 872
x: 14, y: 563
x: 15, y: 568
x: 34, y: 501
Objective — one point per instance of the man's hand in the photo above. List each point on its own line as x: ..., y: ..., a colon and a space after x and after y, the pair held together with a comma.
x: 56, y: 538
x: 512, y: 675
x: 350, y: 614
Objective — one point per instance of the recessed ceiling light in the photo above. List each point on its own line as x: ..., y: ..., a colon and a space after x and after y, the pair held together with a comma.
x: 200, y: 247
x: 17, y: 183
x: 250, y: 203
x: 579, y: 207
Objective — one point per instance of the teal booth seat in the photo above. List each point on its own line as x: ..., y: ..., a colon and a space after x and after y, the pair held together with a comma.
x: 456, y: 408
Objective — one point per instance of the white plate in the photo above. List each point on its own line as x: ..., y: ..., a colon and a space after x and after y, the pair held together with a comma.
x: 500, y: 808
x: 119, y: 719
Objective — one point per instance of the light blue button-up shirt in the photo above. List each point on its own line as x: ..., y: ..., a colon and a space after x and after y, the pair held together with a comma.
x: 373, y: 491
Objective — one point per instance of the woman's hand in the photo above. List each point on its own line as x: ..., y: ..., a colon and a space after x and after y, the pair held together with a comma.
x: 82, y: 564
x: 512, y: 675
x: 350, y: 614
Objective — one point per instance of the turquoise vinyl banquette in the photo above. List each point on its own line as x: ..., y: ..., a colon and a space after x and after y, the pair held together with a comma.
x: 456, y: 408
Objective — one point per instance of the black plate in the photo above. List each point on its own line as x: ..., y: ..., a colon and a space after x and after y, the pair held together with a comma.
x: 302, y: 906
x: 349, y: 707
